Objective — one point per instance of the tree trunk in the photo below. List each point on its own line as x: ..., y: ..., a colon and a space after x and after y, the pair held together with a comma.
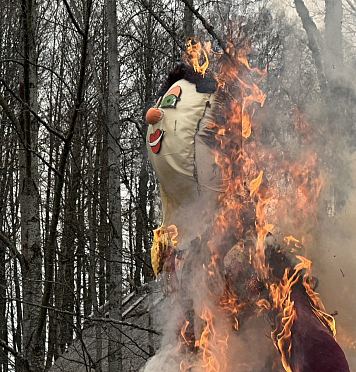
x: 333, y: 39
x: 315, y: 44
x: 3, y: 322
x: 114, y: 156
x: 142, y: 241
x: 29, y: 197
x: 188, y: 21
x: 67, y: 254
x: 102, y: 160
x: 93, y: 257
x: 141, y: 219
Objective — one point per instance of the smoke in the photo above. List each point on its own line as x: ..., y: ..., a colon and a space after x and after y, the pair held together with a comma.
x: 166, y: 360
x: 248, y: 349
x: 326, y: 232
x: 334, y: 259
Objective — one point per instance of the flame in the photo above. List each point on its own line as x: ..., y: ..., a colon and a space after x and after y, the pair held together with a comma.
x: 212, y: 343
x: 318, y: 308
x: 255, y: 184
x: 289, y: 239
x: 264, y: 192
x: 244, y: 163
x: 197, y: 56
x: 173, y: 233
x: 182, y: 332
x: 280, y: 296
x: 183, y: 367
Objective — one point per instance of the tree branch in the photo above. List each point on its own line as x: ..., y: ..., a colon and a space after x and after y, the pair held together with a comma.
x: 12, y: 117
x: 19, y: 130
x: 51, y: 130
x: 16, y: 354
x: 352, y: 6
x: 163, y: 24
x: 75, y: 23
x: 16, y: 253
x: 315, y: 41
x: 87, y: 318
x: 206, y: 25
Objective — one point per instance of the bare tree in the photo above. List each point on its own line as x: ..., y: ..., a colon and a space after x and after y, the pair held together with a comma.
x: 115, y: 247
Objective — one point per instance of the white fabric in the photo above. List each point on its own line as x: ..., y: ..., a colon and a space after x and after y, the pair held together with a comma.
x: 183, y: 152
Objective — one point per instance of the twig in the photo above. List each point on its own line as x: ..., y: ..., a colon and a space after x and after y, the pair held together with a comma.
x: 207, y: 26
x: 162, y: 23
x: 16, y: 354
x: 88, y: 318
x: 51, y: 130
x: 12, y: 247
x: 75, y: 23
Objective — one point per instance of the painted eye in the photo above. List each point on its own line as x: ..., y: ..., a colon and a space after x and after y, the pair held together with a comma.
x: 169, y: 101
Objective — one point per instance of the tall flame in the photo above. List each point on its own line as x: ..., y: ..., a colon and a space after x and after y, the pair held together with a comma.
x: 262, y: 191
x: 196, y: 55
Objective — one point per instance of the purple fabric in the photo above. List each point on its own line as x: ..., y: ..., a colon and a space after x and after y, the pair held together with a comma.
x: 313, y: 348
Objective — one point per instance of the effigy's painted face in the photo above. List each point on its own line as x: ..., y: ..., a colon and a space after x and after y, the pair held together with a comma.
x: 155, y: 114
x: 184, y: 164
x: 171, y: 137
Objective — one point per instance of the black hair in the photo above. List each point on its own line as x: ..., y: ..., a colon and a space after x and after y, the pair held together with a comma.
x: 204, y: 84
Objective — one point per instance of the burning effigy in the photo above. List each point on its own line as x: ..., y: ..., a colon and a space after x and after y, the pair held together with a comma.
x: 218, y: 249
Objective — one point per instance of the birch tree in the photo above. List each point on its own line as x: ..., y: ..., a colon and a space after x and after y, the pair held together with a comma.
x: 29, y: 194
x: 114, y: 156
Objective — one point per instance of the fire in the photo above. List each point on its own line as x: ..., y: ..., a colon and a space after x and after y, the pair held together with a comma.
x: 183, y: 367
x: 318, y: 308
x: 263, y: 190
x: 183, y: 331
x: 280, y: 295
x: 212, y: 343
x: 246, y: 163
x: 255, y: 184
x: 290, y: 239
x: 197, y: 56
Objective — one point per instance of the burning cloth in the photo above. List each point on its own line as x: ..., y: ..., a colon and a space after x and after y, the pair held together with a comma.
x: 184, y: 144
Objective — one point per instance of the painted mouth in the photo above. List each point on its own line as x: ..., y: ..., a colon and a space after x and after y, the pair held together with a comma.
x: 155, y: 140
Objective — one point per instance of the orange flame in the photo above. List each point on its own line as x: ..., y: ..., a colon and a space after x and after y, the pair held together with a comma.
x: 197, y: 56
x: 182, y: 332
x: 173, y: 233
x: 255, y: 184
x: 213, y: 344
x: 183, y: 367
x: 262, y: 185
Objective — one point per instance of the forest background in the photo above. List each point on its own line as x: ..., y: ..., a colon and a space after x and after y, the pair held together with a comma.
x: 78, y: 197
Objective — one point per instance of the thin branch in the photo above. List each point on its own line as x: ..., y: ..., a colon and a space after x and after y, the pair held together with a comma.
x: 37, y: 65
x: 48, y: 127
x: 137, y: 124
x: 19, y: 130
x: 127, y: 324
x: 12, y: 247
x: 143, y: 44
x: 352, y: 6
x: 162, y: 23
x: 87, y: 318
x: 75, y: 23
x: 206, y: 25
x: 16, y: 354
x: 12, y: 117
x: 45, y: 162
